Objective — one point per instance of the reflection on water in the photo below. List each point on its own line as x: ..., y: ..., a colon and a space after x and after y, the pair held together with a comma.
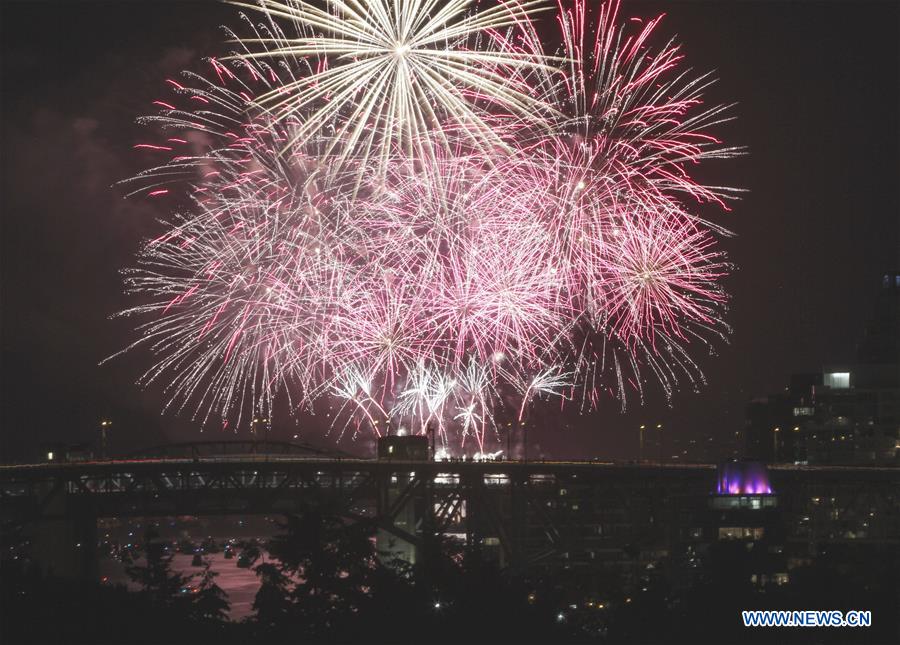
x: 240, y: 584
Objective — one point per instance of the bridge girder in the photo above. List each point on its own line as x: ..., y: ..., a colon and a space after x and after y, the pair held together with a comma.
x: 530, y: 511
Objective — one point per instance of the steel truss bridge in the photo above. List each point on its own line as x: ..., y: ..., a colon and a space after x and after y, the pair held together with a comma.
x: 526, y: 514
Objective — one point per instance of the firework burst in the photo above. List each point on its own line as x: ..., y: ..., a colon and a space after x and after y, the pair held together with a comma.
x: 412, y: 209
x: 381, y: 78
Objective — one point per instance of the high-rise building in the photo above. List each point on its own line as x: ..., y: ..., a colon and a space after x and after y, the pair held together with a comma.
x: 845, y: 414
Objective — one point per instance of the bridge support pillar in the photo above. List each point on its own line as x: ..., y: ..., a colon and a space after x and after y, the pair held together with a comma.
x: 400, y: 511
x: 64, y: 543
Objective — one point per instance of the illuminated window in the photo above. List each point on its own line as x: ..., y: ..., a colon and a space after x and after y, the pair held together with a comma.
x: 740, y: 533
x: 837, y: 380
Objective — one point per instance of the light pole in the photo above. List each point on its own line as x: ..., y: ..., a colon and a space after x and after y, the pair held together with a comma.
x: 524, y: 428
x: 641, y: 443
x: 105, y: 425
x: 775, y: 432
x: 429, y: 432
x: 260, y: 424
x: 659, y: 428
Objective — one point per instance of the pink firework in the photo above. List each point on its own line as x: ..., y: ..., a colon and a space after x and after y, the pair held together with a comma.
x: 662, y: 277
x: 534, y: 238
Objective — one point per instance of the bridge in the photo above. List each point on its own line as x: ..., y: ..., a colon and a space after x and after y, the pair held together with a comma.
x: 240, y: 448
x: 524, y: 514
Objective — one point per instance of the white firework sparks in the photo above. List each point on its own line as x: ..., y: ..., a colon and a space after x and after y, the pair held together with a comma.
x: 383, y: 77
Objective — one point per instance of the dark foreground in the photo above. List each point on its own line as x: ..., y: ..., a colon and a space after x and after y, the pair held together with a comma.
x: 323, y: 582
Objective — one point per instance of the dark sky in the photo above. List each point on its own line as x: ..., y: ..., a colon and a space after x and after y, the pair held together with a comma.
x: 817, y: 90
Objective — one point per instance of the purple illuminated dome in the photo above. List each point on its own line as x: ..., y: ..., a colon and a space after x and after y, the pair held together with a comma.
x: 743, y: 478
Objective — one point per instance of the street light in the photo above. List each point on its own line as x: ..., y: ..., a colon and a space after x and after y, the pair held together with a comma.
x: 659, y: 428
x: 641, y: 448
x: 775, y: 444
x: 105, y: 425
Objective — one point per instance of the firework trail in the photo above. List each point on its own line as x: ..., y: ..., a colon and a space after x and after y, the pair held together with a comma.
x: 416, y: 210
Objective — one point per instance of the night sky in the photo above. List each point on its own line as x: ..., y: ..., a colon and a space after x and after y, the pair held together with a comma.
x: 816, y: 87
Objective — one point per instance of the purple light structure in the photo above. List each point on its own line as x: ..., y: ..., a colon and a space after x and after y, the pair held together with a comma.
x: 743, y: 478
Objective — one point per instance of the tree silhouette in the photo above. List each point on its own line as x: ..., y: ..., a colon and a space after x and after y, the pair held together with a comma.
x: 157, y: 580
x: 325, y: 573
x: 210, y: 602
x: 201, y: 600
x: 273, y: 604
